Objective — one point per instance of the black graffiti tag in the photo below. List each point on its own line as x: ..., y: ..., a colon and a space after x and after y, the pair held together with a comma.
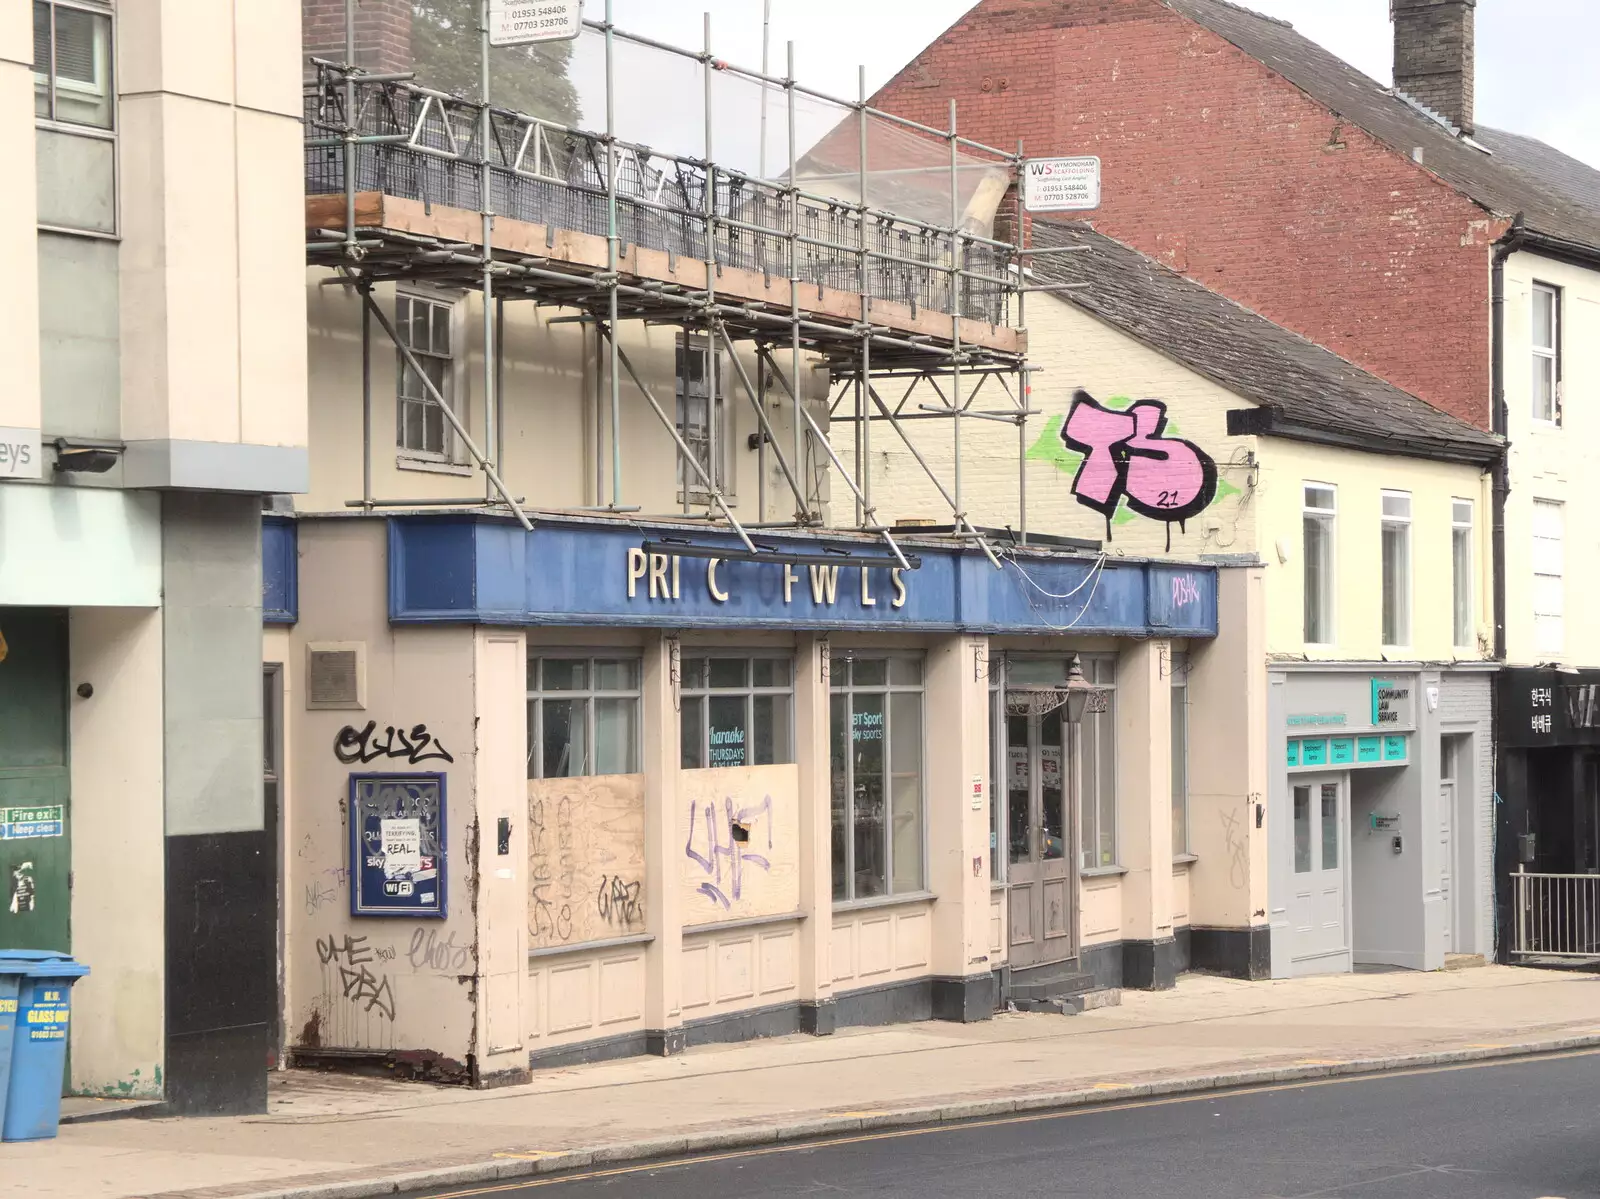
x: 619, y: 901
x: 361, y: 986
x: 354, y: 745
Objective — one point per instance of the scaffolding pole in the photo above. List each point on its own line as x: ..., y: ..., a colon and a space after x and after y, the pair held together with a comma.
x: 486, y: 199
x: 613, y: 257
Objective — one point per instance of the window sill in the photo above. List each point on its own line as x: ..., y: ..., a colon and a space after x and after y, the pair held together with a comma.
x: 724, y: 926
x: 844, y: 907
x: 432, y: 466
x: 1185, y: 859
x: 581, y: 947
x: 1103, y: 872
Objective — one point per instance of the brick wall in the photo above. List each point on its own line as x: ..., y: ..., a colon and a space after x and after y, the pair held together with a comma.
x: 1433, y: 55
x: 1223, y: 169
x: 383, y: 32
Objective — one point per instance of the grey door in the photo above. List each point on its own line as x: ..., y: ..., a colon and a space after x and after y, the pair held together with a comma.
x: 1041, y: 836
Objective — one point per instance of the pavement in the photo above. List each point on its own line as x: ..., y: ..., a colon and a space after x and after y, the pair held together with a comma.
x: 332, y: 1137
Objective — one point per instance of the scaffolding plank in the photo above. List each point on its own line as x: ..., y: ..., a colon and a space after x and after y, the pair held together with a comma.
x: 376, y: 210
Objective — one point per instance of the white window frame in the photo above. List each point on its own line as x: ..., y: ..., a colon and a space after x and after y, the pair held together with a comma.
x: 587, y: 694
x: 705, y: 693
x: 78, y: 129
x: 1180, y: 754
x: 1101, y: 670
x: 451, y: 459
x: 1463, y: 607
x: 842, y: 667
x: 1549, y: 619
x: 1400, y: 521
x: 1547, y: 356
x: 721, y: 429
x: 1330, y: 517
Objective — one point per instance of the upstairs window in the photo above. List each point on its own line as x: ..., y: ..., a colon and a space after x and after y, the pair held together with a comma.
x: 1546, y: 354
x: 426, y: 328
x: 1318, y: 513
x: 1462, y: 582
x: 72, y: 63
x: 1549, y: 581
x: 702, y: 423
x: 1397, y: 568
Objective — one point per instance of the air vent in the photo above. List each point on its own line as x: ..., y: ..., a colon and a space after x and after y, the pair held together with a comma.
x: 336, y: 675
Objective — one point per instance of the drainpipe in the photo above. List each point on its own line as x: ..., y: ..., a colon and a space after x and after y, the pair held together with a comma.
x: 1499, y: 422
x: 1505, y: 820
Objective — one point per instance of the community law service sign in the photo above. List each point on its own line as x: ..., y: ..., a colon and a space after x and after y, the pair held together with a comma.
x: 1061, y: 184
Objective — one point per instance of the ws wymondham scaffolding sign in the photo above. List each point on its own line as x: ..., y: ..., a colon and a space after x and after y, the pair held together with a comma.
x: 1061, y: 184
x: 518, y: 22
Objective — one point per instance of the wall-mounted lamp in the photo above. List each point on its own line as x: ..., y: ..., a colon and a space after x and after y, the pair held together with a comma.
x: 93, y: 459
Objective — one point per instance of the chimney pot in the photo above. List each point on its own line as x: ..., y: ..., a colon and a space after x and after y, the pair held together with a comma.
x: 1433, y: 55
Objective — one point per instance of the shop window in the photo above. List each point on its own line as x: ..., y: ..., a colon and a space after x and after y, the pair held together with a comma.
x: 1546, y: 354
x: 427, y: 327
x: 583, y: 715
x: 876, y: 745
x: 1396, y: 526
x: 1098, y: 737
x: 1549, y: 582
x: 736, y: 711
x: 1318, y: 513
x: 1463, y: 611
x: 1180, y: 755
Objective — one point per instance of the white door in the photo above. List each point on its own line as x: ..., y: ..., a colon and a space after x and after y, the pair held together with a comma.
x: 1317, y: 912
x: 1447, y: 858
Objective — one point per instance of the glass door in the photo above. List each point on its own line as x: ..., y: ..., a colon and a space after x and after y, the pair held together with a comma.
x: 1040, y: 839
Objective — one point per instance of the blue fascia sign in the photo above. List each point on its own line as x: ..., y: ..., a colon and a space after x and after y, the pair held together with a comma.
x: 486, y: 570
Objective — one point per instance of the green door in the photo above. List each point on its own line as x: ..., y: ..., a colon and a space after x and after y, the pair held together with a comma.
x: 35, y: 813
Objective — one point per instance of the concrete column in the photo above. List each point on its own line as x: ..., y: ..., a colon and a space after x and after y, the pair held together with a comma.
x: 1228, y: 761
x: 19, y: 249
x: 957, y: 738
x: 663, y: 857
x: 811, y: 708
x: 1144, y: 790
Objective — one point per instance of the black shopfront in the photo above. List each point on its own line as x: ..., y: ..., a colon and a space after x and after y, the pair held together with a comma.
x: 1547, y: 780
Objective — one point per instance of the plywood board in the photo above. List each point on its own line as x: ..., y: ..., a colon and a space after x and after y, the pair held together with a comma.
x: 585, y: 859
x: 740, y: 831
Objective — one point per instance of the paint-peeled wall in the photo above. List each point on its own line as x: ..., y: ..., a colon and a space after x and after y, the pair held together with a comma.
x: 402, y: 983
x: 1128, y: 448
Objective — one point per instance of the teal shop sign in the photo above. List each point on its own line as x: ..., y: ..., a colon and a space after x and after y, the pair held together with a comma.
x: 1391, y: 750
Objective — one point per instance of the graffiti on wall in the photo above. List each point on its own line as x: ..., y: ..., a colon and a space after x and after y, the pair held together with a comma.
x: 585, y: 859
x: 1127, y: 461
x: 726, y: 839
x: 353, y: 745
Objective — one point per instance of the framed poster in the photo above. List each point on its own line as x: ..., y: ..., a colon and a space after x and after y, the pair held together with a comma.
x: 397, y: 845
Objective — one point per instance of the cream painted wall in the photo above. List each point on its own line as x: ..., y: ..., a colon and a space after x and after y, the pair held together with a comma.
x: 413, y: 675
x: 549, y: 380
x: 1070, y: 350
x: 1550, y: 462
x: 211, y: 197
x: 118, y: 851
x: 19, y: 244
x: 1360, y: 480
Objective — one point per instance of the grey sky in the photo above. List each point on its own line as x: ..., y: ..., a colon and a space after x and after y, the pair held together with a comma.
x: 1535, y: 71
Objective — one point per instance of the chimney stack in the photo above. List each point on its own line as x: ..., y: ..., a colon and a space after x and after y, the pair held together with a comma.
x: 1433, y: 55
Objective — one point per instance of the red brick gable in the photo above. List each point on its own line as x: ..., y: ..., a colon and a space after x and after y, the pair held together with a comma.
x: 1223, y: 169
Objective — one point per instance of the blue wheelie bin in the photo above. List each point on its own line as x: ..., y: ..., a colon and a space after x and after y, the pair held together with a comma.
x: 39, y: 1048
x: 14, y: 965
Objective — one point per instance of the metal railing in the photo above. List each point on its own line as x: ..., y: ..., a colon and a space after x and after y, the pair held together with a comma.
x: 1557, y: 916
x: 416, y: 143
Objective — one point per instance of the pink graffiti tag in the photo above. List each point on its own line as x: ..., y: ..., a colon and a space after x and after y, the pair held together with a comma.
x: 1185, y: 591
x: 1126, y: 456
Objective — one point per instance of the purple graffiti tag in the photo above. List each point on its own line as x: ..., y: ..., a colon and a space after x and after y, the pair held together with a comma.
x: 1127, y: 456
x: 1185, y: 591
x: 727, y: 840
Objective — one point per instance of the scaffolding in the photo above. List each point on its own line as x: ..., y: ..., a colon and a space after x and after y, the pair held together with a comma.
x: 916, y: 318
